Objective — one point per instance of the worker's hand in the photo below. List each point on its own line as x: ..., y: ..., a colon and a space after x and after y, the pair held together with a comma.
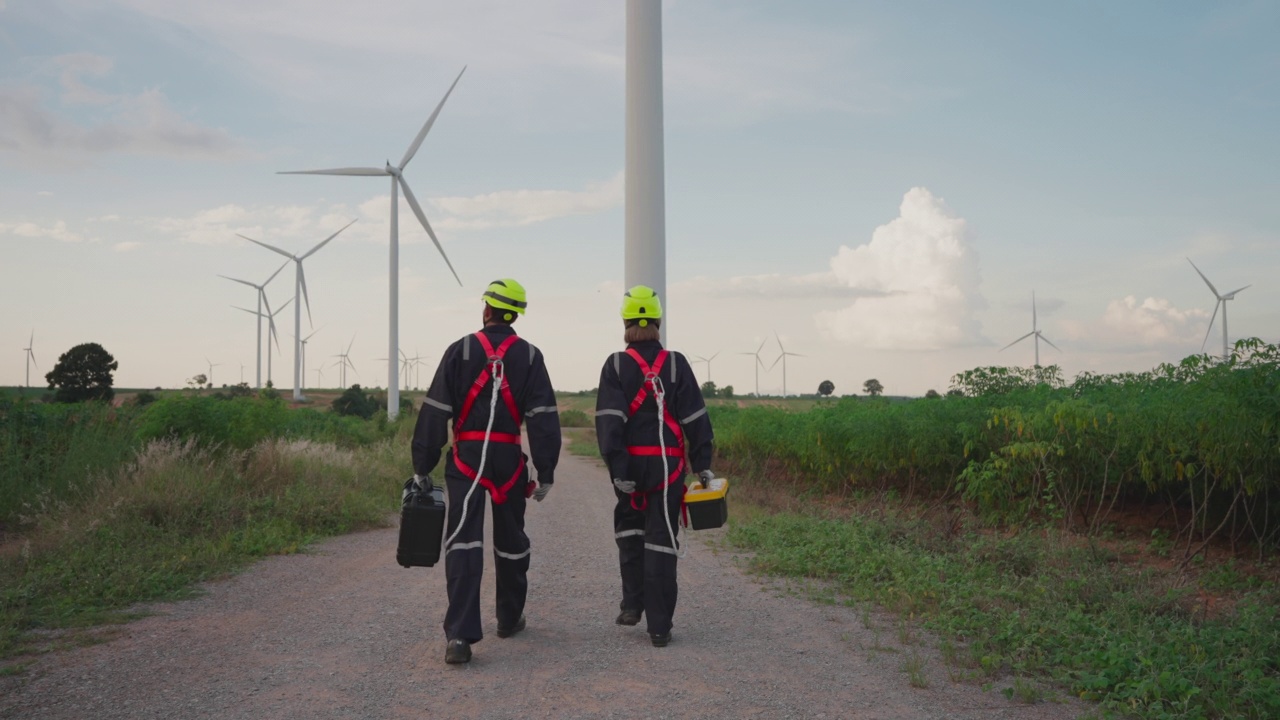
x: 422, y: 483
x: 707, y: 476
x: 625, y: 486
x: 541, y: 493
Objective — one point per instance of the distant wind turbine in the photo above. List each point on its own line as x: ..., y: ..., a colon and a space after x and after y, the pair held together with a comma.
x: 1035, y: 331
x: 304, y: 350
x: 31, y: 356
x: 759, y: 363
x: 271, y: 329
x: 344, y: 362
x: 319, y: 375
x: 299, y: 289
x: 397, y: 184
x: 262, y: 299
x: 699, y: 358
x: 212, y: 365
x: 783, y: 358
x: 1221, y: 302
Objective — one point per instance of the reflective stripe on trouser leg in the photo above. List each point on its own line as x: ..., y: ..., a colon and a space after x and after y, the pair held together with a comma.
x: 660, y: 588
x: 464, y: 559
x: 628, y: 530
x: 511, y: 553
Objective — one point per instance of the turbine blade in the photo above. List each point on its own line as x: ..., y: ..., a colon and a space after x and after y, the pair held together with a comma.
x: 1206, y: 282
x: 1211, y: 319
x: 269, y: 247
x: 1015, y: 342
x: 242, y: 282
x: 313, y: 250
x: 422, y: 218
x: 1232, y: 295
x: 353, y: 342
x: 284, y: 265
x: 762, y: 342
x: 302, y: 280
x: 361, y: 171
x: 780, y: 348
x: 775, y: 362
x: 251, y: 312
x: 1055, y: 347
x: 426, y: 128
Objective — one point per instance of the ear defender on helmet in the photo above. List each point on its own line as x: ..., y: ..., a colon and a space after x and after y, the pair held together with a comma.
x: 641, y: 303
x: 506, y: 294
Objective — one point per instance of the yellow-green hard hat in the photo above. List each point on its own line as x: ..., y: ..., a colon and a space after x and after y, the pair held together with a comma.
x: 641, y: 303
x: 506, y: 294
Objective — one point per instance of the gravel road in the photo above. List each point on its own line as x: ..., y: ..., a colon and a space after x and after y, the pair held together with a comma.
x: 343, y: 632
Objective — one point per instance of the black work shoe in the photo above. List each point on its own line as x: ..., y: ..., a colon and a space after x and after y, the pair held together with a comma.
x: 508, y: 632
x: 660, y: 639
x: 629, y: 617
x: 457, y: 651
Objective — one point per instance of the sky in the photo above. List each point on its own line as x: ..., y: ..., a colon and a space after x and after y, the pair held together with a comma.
x: 876, y: 187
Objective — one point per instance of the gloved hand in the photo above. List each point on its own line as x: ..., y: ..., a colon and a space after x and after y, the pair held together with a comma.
x: 707, y: 476
x: 625, y: 486
x: 541, y: 493
x: 422, y: 483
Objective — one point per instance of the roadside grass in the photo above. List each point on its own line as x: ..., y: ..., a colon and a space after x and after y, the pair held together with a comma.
x: 178, y: 513
x: 582, y: 442
x: 1033, y: 604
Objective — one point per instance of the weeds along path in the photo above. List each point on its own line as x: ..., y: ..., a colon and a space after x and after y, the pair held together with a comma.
x: 343, y: 632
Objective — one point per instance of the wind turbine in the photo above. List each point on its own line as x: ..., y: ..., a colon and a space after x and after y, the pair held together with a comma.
x: 304, y: 351
x: 31, y: 356
x: 397, y: 184
x: 319, y: 375
x: 212, y: 365
x: 344, y: 361
x: 1035, y: 331
x: 262, y: 299
x: 418, y: 361
x: 271, y: 329
x: 699, y: 358
x: 1221, y: 302
x: 783, y: 358
x: 759, y: 363
x: 299, y: 289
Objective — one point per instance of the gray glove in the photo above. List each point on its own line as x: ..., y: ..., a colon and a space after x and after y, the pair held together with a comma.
x: 541, y: 493
x: 706, y: 476
x: 625, y: 486
x: 422, y: 483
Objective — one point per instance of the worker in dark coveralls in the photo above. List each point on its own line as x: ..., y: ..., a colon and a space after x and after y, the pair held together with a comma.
x: 488, y: 384
x: 648, y: 471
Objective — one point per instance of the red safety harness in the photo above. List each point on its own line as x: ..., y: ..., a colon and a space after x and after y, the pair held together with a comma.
x: 640, y: 499
x: 492, y: 370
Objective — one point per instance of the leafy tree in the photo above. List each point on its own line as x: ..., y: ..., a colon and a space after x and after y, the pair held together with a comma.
x: 198, y: 381
x: 355, y: 401
x: 708, y: 389
x: 83, y: 373
x: 826, y: 387
x: 955, y: 392
x: 872, y: 387
x: 727, y: 392
x: 932, y: 394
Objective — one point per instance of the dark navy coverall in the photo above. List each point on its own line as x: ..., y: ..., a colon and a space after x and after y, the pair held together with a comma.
x: 526, y: 374
x: 645, y: 550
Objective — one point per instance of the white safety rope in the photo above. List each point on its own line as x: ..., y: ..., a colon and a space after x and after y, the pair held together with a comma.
x: 498, y: 372
x: 660, y: 395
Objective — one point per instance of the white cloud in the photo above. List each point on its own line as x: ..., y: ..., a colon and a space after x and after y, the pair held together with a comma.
x: 512, y: 208
x: 1151, y: 323
x: 923, y: 276
x: 126, y: 246
x: 58, y: 231
x: 118, y: 123
x: 44, y: 193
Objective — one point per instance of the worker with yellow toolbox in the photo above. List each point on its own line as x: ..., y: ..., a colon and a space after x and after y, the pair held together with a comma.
x: 649, y: 417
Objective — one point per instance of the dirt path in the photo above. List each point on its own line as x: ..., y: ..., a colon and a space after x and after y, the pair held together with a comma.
x: 343, y: 632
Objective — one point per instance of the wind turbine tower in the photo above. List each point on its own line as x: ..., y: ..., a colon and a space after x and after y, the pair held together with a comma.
x: 1035, y: 331
x: 262, y: 299
x: 758, y: 364
x: 645, y: 235
x: 1221, y: 302
x: 31, y: 356
x: 783, y: 358
x: 299, y: 291
x: 396, y: 172
x: 699, y: 358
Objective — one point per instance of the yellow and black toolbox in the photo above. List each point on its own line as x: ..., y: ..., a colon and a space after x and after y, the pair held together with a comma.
x: 707, y: 506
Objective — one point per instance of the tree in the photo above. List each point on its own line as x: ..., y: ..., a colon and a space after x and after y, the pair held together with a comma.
x: 872, y: 387
x: 708, y: 389
x: 932, y: 394
x: 198, y: 381
x: 727, y: 392
x: 826, y: 387
x: 355, y: 401
x: 83, y: 373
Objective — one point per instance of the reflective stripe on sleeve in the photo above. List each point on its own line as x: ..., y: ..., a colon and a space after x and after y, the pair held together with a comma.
x: 439, y: 405
x: 694, y: 416
x: 543, y: 409
x: 618, y: 413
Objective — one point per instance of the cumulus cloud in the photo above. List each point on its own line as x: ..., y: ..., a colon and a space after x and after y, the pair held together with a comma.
x: 126, y: 246
x: 513, y: 208
x: 1151, y: 323
x: 920, y: 276
x: 117, y: 123
x: 57, y: 231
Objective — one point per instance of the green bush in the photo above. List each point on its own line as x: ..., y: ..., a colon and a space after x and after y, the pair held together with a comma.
x: 575, y: 418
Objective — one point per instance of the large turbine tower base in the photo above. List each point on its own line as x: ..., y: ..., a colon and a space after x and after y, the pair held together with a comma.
x: 645, y: 235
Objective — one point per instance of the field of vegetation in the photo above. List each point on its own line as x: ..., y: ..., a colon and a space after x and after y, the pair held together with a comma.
x: 104, y: 507
x: 1049, y: 529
